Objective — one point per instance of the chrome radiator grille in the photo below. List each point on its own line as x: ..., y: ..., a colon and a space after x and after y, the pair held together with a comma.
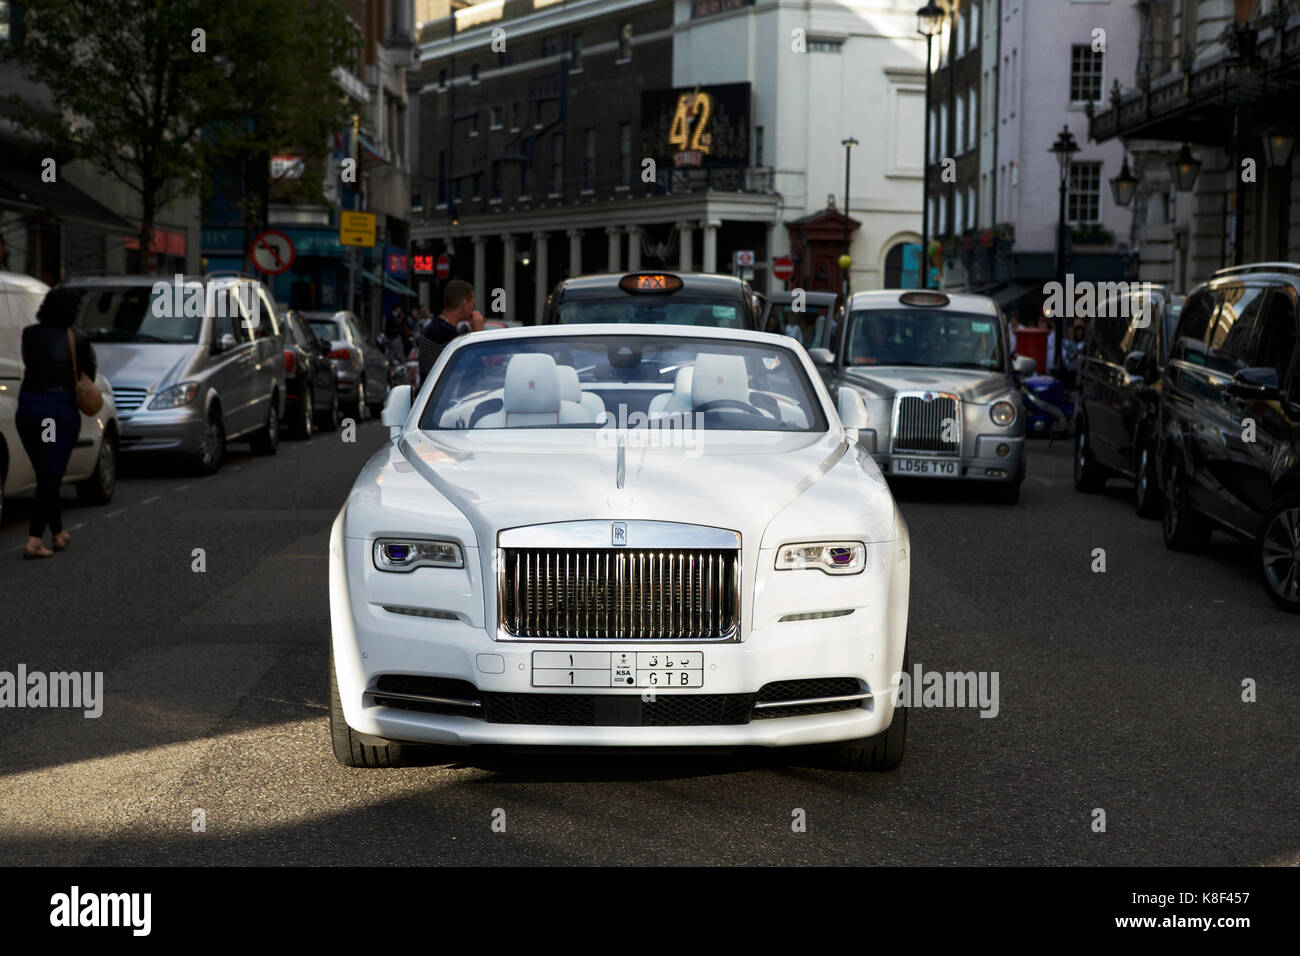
x: 128, y: 399
x: 620, y: 593
x: 919, y: 425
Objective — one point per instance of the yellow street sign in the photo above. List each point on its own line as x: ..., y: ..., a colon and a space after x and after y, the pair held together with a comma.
x: 357, y: 229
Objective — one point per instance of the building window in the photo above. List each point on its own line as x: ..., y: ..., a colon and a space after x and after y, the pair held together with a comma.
x: 959, y: 211
x: 1084, y: 202
x: 973, y: 119
x: 496, y: 179
x: 473, y: 73
x: 943, y: 130
x: 442, y: 80
x: 549, y: 46
x: 503, y: 58
x: 526, y: 178
x: 514, y: 117
x: 442, y: 177
x: 537, y: 114
x: 625, y: 154
x: 1085, y: 74
x: 972, y: 207
x: 557, y: 163
x: 478, y: 186
x: 934, y: 136
x: 473, y: 123
x: 961, y: 30
x: 417, y: 201
x: 589, y: 159
x: 575, y: 53
x: 825, y: 46
x: 625, y: 43
x: 974, y: 17
x: 758, y: 146
x: 498, y: 117
x: 959, y: 117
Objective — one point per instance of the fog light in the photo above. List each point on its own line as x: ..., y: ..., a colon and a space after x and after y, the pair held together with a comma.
x: 995, y: 472
x: 1004, y: 450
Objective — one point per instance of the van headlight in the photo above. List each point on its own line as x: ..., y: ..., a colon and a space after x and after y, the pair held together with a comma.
x: 830, y: 557
x: 1002, y: 413
x: 176, y: 396
x: 406, y: 554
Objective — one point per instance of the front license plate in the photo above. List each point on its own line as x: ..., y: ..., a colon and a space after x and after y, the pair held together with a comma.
x: 618, y: 669
x: 924, y: 466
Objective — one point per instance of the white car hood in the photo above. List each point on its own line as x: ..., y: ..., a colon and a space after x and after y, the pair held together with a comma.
x: 805, y: 485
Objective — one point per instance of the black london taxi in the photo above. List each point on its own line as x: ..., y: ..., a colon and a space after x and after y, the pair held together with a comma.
x: 654, y: 298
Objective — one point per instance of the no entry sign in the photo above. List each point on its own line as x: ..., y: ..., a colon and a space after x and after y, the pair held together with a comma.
x: 272, y: 252
x: 442, y: 268
x: 783, y: 269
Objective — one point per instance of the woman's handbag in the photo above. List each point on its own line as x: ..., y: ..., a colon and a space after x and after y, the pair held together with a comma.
x: 88, y: 398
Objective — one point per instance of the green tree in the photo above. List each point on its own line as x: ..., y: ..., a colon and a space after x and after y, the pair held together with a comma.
x: 157, y: 92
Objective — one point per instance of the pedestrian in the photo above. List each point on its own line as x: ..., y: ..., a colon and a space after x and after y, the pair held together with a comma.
x: 458, y: 317
x: 47, y: 419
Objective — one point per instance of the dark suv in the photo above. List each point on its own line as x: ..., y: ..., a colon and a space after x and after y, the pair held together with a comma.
x: 1119, y: 392
x: 1230, y: 421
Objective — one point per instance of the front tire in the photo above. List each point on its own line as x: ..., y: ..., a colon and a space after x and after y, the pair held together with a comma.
x: 266, y: 441
x: 1277, y: 553
x: 213, y: 449
x: 348, y: 749
x: 306, y: 418
x: 1147, y: 496
x: 1089, y: 477
x: 333, y: 415
x: 99, y: 487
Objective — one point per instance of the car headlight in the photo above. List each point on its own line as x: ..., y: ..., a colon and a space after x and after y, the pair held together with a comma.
x: 176, y: 396
x: 1002, y: 413
x: 406, y: 554
x: 830, y: 557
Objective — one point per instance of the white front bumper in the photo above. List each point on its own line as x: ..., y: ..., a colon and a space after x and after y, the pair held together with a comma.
x: 369, y: 642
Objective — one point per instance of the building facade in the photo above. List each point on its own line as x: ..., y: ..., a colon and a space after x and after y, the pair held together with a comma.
x: 556, y: 139
x: 1218, y: 78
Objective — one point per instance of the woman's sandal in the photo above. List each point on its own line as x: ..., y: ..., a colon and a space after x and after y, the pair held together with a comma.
x: 61, y: 541
x: 41, y: 552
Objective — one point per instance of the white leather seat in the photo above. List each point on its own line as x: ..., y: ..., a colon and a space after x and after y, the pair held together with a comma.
x: 571, y: 391
x: 532, y: 396
x: 717, y: 378
x: 679, y: 397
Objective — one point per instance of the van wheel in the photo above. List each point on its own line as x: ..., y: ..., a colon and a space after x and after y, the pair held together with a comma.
x: 99, y: 487
x: 266, y: 441
x: 333, y: 415
x: 306, y: 416
x: 1183, y: 528
x: 348, y: 749
x: 1089, y: 477
x: 1277, y: 553
x: 213, y: 449
x: 1146, y: 495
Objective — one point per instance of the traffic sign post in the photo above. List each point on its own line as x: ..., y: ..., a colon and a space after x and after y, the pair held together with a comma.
x: 783, y: 269
x: 272, y: 252
x: 356, y: 228
x: 742, y: 263
x: 442, y: 267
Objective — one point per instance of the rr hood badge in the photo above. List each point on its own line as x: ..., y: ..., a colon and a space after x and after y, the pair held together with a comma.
x: 618, y: 534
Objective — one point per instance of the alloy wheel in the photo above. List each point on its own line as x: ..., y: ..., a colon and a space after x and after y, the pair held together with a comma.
x: 1281, y: 554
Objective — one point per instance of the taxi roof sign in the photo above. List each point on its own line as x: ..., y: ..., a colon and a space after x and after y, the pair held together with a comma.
x: 924, y: 298
x: 650, y: 282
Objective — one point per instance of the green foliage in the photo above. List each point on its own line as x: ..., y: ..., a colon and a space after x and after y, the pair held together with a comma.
x: 129, y: 91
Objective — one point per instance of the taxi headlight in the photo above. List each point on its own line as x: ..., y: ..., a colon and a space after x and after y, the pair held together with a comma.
x: 1002, y: 413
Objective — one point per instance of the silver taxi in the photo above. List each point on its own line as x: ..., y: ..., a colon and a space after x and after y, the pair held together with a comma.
x: 937, y: 377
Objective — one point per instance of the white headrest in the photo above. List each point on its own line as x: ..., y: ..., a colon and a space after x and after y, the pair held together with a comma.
x: 682, y: 384
x: 531, y: 384
x: 719, y: 377
x: 570, y: 390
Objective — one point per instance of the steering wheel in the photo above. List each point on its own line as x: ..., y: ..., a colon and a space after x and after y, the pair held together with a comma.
x: 718, y: 404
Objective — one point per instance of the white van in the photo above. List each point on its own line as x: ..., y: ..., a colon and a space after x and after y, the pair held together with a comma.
x: 93, y: 466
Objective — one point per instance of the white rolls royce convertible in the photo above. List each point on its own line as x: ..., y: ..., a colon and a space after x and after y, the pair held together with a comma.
x: 620, y: 536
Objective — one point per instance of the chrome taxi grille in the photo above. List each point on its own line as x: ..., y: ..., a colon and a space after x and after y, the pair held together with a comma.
x: 620, y: 593
x: 919, y: 425
x: 128, y: 399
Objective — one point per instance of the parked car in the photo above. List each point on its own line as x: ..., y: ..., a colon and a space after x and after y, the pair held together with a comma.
x: 813, y: 326
x: 937, y: 378
x: 531, y: 576
x: 311, y: 388
x: 195, y: 363
x: 93, y: 465
x: 361, y: 364
x: 653, y: 298
x: 1116, y: 422
x: 1230, y: 421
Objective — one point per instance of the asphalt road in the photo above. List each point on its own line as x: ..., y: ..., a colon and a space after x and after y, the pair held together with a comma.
x: 1119, y: 691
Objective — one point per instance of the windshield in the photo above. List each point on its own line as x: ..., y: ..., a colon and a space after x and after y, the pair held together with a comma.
x: 935, y: 338
x: 725, y: 313
x: 807, y: 327
x: 624, y: 381
x: 326, y: 329
x: 136, y: 314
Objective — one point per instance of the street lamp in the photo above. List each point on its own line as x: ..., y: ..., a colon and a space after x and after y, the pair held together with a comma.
x: 1184, y: 168
x: 1277, y: 147
x: 1064, y: 149
x: 848, y: 145
x: 929, y: 23
x: 1123, y: 186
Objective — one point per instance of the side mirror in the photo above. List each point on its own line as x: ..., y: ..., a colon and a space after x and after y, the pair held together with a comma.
x: 1140, y: 364
x: 396, y: 409
x: 1255, y: 383
x: 823, y: 357
x: 1024, y: 365
x: 225, y: 343
x: 853, y: 411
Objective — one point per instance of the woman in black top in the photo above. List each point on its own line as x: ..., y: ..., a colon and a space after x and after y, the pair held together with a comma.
x: 47, y: 418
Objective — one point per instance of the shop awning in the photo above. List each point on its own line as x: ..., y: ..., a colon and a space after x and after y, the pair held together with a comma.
x: 389, y: 283
x: 21, y: 187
